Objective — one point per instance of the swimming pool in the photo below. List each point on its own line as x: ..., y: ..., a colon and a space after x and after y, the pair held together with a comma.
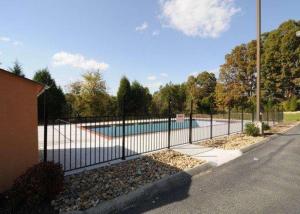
x: 147, y: 127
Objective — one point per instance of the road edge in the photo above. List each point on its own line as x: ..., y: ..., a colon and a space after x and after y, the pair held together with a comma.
x: 253, y: 146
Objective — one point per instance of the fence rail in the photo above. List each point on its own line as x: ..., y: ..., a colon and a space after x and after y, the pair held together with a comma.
x: 78, y: 142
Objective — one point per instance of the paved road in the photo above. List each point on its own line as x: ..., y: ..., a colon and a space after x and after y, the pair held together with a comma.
x: 264, y: 180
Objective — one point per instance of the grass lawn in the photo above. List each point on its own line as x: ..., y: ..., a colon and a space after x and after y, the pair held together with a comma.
x: 291, y: 116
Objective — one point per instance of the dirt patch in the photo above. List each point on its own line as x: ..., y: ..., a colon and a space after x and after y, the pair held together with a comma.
x: 87, y: 189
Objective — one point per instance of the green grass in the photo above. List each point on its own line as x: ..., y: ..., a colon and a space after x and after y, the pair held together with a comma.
x: 291, y: 116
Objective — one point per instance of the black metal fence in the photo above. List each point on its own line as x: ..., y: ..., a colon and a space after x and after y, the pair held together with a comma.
x: 78, y: 142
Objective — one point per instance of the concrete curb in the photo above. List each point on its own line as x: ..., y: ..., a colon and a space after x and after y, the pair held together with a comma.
x: 145, y: 192
x: 253, y: 146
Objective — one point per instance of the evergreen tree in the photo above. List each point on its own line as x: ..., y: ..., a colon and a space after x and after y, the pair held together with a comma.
x: 124, y: 96
x: 17, y: 69
x: 141, y: 98
x: 56, y: 101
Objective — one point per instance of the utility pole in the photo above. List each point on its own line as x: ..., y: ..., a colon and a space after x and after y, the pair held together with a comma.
x: 258, y: 31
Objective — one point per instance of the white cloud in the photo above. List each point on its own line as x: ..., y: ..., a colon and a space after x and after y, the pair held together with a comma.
x: 11, y: 41
x: 164, y: 74
x: 5, y: 39
x: 155, y: 33
x: 194, y: 74
x: 203, y: 18
x: 153, y: 86
x: 17, y: 43
x: 152, y: 77
x: 216, y: 71
x: 142, y: 27
x: 77, y: 61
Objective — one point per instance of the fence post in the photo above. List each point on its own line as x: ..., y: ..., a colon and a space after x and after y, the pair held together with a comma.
x: 191, y: 123
x: 268, y: 116
x: 45, y: 125
x: 280, y: 114
x: 229, y: 121
x: 211, y: 124
x: 277, y: 114
x: 273, y: 116
x: 169, y: 125
x: 242, y: 119
x: 123, y: 129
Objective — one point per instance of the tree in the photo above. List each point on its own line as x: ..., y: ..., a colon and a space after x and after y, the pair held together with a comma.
x: 93, y: 93
x: 112, y: 107
x: 89, y: 97
x: 17, y: 69
x: 280, y: 75
x: 124, y: 96
x: 281, y: 70
x: 221, y: 101
x: 237, y: 75
x: 140, y: 98
x: 174, y: 93
x: 56, y: 101
x: 136, y: 98
x: 291, y: 104
x: 201, y: 90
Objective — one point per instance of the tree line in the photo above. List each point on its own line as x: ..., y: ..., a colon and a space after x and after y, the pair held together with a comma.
x: 234, y: 88
x: 280, y: 71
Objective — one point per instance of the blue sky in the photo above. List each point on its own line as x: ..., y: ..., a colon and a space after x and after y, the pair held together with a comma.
x: 152, y: 41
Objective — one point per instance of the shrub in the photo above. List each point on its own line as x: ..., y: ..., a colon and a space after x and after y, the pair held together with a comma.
x: 266, y: 126
x: 39, y: 184
x: 251, y: 129
x: 291, y: 104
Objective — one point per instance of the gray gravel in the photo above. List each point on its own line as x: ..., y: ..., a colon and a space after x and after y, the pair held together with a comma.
x: 87, y: 189
x: 264, y: 180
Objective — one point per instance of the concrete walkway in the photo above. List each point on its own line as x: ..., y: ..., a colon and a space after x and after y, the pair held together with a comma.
x: 214, y: 156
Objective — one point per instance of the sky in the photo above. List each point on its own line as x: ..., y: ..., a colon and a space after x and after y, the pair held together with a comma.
x: 151, y: 41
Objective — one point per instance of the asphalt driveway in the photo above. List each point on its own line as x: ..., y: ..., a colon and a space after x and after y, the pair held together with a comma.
x: 264, y: 180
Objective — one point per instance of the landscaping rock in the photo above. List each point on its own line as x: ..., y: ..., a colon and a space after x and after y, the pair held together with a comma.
x: 238, y: 141
x: 87, y: 189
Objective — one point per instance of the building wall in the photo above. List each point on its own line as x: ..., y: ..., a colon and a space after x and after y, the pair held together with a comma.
x: 18, y: 127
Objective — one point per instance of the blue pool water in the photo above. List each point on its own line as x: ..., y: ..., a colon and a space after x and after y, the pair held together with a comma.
x: 146, y: 127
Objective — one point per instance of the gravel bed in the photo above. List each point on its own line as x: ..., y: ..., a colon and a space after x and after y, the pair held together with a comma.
x: 87, y: 189
x: 281, y: 127
x: 238, y: 141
